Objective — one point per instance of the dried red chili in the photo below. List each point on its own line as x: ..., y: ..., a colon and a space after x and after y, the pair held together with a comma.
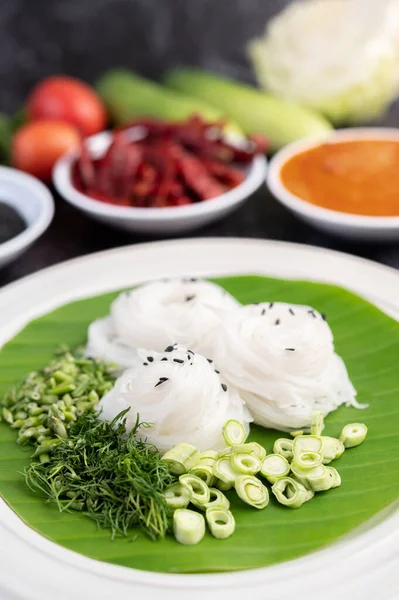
x: 174, y: 164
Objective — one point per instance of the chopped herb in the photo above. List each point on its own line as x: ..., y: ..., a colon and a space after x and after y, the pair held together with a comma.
x: 113, y: 478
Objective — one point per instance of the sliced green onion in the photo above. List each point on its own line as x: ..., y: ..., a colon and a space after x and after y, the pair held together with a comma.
x: 317, y: 423
x: 306, y: 442
x: 181, y: 458
x: 204, y: 472
x: 353, y: 434
x: 245, y: 464
x: 188, y: 526
x: 290, y: 492
x: 307, y: 459
x: 335, y: 477
x: 207, y: 458
x: 248, y: 448
x: 274, y: 466
x: 318, y: 478
x: 177, y: 496
x: 217, y: 499
x: 224, y: 471
x: 299, y: 476
x: 223, y: 486
x: 331, y: 448
x: 283, y: 446
x: 234, y: 432
x: 221, y: 522
x: 297, y: 432
x: 252, y: 491
x: 198, y: 489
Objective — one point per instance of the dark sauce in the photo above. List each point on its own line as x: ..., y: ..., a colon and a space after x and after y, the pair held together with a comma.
x: 11, y: 223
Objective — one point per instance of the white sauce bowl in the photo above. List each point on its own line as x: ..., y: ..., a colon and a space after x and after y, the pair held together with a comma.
x: 33, y: 201
x: 357, y: 227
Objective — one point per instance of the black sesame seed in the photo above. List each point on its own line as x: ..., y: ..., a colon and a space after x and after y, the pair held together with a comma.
x: 188, y: 298
x: 193, y: 279
x: 161, y: 380
x: 255, y: 303
x: 324, y: 316
x: 312, y: 312
x: 263, y: 312
x: 162, y: 359
x: 216, y: 371
x: 290, y: 349
x: 178, y: 360
x: 190, y: 351
x: 150, y: 358
x: 277, y: 322
x: 209, y: 360
x: 169, y: 349
x: 224, y: 387
x: 291, y: 311
x: 145, y: 364
x: 271, y: 304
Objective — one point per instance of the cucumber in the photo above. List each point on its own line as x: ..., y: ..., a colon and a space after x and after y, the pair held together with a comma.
x: 281, y: 122
x: 129, y: 96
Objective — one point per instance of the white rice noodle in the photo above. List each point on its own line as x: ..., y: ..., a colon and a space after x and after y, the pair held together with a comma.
x: 181, y: 395
x: 281, y: 358
x: 157, y: 314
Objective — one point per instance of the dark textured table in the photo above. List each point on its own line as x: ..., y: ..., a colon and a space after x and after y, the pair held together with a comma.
x: 72, y: 234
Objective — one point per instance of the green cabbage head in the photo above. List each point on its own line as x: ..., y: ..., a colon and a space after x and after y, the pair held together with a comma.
x: 340, y: 57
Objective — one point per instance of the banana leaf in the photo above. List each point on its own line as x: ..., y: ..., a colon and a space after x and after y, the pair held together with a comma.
x: 365, y: 337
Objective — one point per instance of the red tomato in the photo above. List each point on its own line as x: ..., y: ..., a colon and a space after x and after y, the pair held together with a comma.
x: 67, y: 99
x: 36, y: 146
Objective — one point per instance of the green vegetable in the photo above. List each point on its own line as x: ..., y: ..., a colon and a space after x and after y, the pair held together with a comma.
x: 42, y: 408
x: 353, y: 434
x: 274, y: 466
x: 217, y: 500
x: 181, y: 458
x: 221, y: 522
x: 252, y: 491
x: 129, y: 96
x: 188, y: 526
x: 177, y: 496
x: 335, y: 476
x: 317, y: 423
x: 283, y: 446
x: 204, y: 472
x: 307, y: 459
x: 234, y: 432
x: 8, y: 125
x: 306, y: 442
x: 245, y: 464
x: 118, y: 481
x: 291, y: 493
x: 331, y: 448
x: 310, y: 54
x: 197, y: 488
x: 255, y: 111
x: 318, y: 478
x: 224, y: 472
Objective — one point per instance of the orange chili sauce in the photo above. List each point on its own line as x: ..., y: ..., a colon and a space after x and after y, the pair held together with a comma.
x: 359, y: 177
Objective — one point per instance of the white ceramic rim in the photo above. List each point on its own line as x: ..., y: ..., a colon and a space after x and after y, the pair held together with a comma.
x: 312, y: 211
x: 98, y: 143
x: 43, y: 220
x: 359, y: 562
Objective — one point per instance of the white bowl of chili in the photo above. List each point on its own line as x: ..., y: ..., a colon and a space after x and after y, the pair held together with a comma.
x: 345, y: 183
x: 168, y: 220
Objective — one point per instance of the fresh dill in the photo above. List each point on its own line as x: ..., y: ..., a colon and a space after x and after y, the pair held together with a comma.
x: 108, y: 474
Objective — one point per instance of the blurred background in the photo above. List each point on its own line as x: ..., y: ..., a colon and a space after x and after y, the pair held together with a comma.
x: 85, y: 38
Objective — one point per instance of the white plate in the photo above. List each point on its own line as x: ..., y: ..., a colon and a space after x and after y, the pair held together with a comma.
x: 362, y: 565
